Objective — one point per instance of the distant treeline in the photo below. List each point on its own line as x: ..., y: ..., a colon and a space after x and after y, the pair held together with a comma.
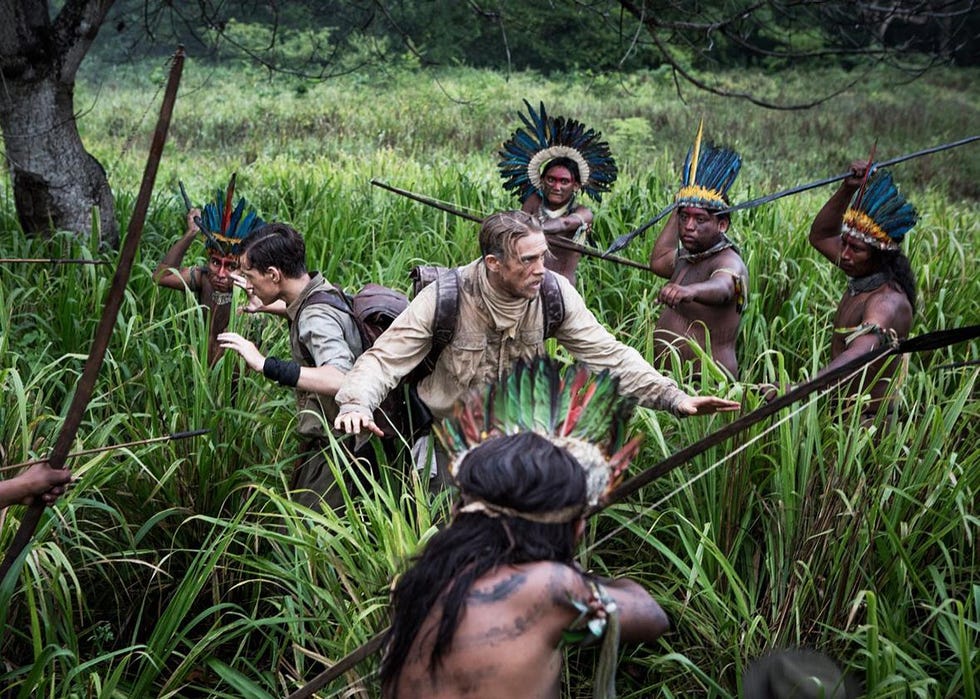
x: 324, y: 37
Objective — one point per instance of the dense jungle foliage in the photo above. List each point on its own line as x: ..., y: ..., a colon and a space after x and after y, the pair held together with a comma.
x: 181, y: 570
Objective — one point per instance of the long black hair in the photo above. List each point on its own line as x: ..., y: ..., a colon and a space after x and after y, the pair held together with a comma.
x: 896, y: 264
x: 523, y: 472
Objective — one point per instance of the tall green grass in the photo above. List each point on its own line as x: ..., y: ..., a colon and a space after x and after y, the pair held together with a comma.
x: 180, y: 570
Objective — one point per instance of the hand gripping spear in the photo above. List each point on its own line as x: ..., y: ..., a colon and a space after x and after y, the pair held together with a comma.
x: 625, y: 239
x: 921, y: 343
x: 103, y: 332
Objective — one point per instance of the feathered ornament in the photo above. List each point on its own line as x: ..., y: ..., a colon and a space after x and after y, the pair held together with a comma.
x: 224, y: 227
x: 544, y: 138
x: 883, y: 216
x: 709, y: 172
x: 580, y: 412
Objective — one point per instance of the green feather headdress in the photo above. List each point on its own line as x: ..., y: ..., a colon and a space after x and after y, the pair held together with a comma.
x: 578, y: 411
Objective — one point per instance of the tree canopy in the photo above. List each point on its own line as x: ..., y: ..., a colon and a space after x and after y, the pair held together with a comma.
x: 41, y: 47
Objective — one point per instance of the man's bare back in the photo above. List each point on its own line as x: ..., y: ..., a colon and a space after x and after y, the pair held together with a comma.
x: 508, y: 643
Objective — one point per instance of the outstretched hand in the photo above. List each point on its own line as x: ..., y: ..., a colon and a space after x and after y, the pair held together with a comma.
x: 249, y: 352
x: 353, y: 422
x: 706, y: 405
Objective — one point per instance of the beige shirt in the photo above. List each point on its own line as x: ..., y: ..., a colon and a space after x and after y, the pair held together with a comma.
x: 493, y: 332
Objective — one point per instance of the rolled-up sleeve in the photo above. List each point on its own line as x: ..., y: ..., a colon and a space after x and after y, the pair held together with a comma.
x: 325, y: 332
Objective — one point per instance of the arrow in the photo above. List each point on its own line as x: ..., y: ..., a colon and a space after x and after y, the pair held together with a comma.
x: 111, y: 447
x: 50, y: 261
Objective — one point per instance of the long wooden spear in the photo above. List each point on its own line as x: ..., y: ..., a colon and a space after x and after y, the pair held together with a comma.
x: 625, y: 239
x: 112, y: 447
x: 921, y: 343
x: 103, y: 332
x: 555, y: 240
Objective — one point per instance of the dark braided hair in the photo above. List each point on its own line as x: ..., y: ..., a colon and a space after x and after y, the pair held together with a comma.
x: 523, y: 472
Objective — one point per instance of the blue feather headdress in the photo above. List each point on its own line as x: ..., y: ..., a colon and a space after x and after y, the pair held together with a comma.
x: 880, y: 216
x: 709, y: 172
x: 224, y: 227
x: 574, y: 409
x: 544, y: 138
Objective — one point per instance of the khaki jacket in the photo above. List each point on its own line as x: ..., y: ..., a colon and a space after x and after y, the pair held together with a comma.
x: 481, y: 352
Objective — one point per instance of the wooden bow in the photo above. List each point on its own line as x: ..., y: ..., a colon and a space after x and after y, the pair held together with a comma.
x: 103, y: 332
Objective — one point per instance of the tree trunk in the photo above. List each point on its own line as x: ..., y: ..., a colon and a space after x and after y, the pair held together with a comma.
x: 56, y: 182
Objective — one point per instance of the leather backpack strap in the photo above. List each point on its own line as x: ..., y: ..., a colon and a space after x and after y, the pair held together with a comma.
x: 552, y: 304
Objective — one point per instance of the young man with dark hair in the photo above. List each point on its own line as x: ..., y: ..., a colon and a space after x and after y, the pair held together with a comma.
x: 324, y: 342
x: 862, y: 237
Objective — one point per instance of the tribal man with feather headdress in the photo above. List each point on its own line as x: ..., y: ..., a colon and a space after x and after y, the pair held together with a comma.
x: 490, y: 602
x: 862, y: 238
x: 708, y: 284
x: 547, y: 164
x: 224, y: 228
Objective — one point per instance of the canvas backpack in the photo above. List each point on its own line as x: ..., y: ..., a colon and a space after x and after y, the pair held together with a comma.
x: 373, y: 309
x: 447, y: 306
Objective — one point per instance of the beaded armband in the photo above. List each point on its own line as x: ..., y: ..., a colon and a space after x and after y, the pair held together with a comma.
x: 594, y: 615
x: 884, y: 335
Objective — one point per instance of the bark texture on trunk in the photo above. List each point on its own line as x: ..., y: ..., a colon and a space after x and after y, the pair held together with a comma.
x: 56, y: 182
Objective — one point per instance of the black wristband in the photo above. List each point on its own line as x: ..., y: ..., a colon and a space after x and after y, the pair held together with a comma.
x: 282, y: 372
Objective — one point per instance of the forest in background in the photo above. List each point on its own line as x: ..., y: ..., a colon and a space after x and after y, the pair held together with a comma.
x: 590, y: 35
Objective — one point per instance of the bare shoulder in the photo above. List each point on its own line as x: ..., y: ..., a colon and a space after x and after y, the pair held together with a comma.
x: 532, y: 203
x: 728, y: 259
x: 584, y: 212
x: 889, y: 307
x: 557, y: 581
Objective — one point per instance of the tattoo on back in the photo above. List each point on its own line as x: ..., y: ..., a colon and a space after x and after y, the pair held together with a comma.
x: 500, y: 591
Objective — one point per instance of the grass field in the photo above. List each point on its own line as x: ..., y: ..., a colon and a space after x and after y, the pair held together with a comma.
x: 180, y: 570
